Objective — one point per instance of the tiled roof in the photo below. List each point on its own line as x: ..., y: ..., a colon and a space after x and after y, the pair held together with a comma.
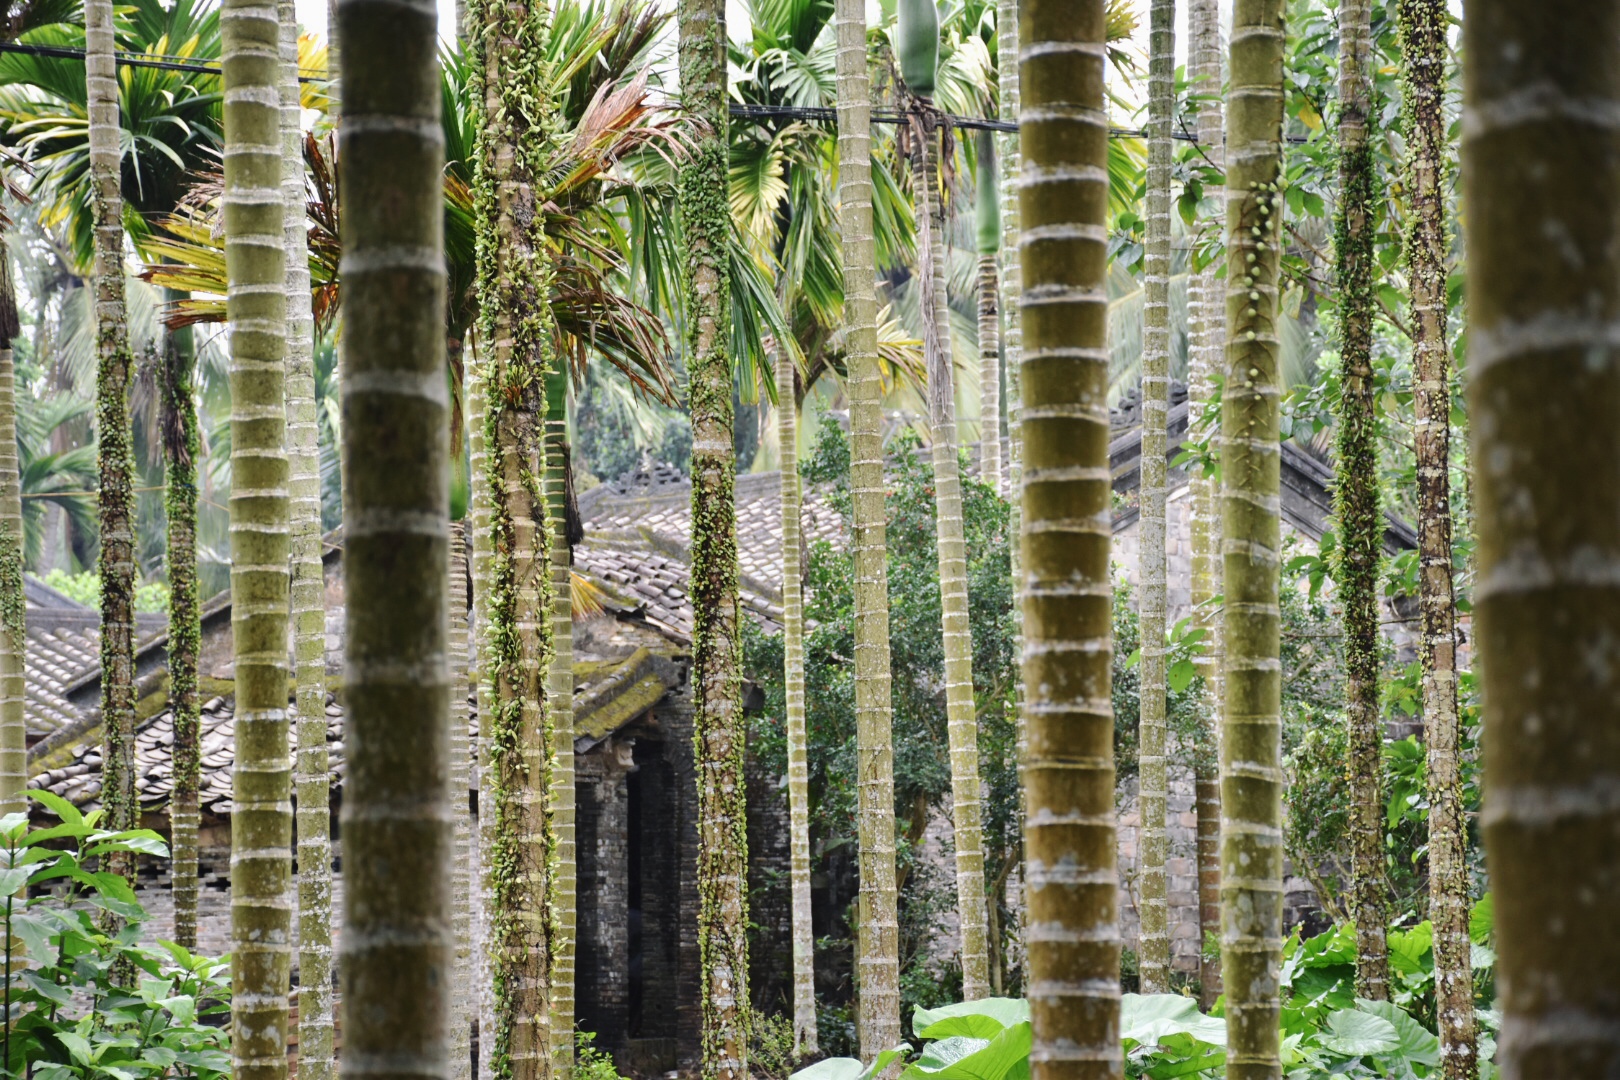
x: 652, y: 586
x: 652, y: 507
x: 80, y: 780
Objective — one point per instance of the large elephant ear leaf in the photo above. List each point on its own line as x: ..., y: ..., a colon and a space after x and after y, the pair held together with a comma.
x: 983, y: 1019
x: 838, y: 1068
x: 1355, y: 1033
x: 1417, y: 1044
x: 1005, y: 1057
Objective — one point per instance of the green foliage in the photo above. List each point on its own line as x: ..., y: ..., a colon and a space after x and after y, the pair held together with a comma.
x: 1186, y: 704
x: 1327, y: 1033
x: 70, y: 1017
x: 591, y: 1063
x: 85, y: 588
x: 770, y: 1045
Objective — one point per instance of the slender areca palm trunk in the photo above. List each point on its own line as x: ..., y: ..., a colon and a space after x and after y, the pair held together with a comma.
x: 1251, y: 765
x: 1010, y: 282
x: 481, y: 887
x: 1066, y: 591
x: 462, y: 992
x: 716, y: 647
x: 1423, y: 35
x: 960, y: 709
x: 13, y: 614
x: 397, y: 833
x: 1542, y: 159
x: 804, y: 943
x: 114, y: 441
x: 1356, y: 499
x: 987, y: 196
x: 261, y: 821
x: 308, y: 596
x: 1154, y: 849
x: 182, y: 446
x: 878, y: 946
x: 560, y: 706
x: 1206, y: 342
x: 514, y: 285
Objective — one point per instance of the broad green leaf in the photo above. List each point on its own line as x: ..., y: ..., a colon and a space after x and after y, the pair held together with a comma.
x: 1180, y: 675
x: 839, y: 1068
x: 1482, y: 920
x: 1411, y: 952
x: 881, y: 1063
x: 983, y: 1019
x: 77, y: 1046
x: 35, y: 932
x: 1481, y: 956
x: 1354, y: 1033
x: 1148, y: 1018
x: 13, y: 879
x: 1006, y: 1057
x: 1416, y: 1044
x: 57, y: 805
x: 13, y: 824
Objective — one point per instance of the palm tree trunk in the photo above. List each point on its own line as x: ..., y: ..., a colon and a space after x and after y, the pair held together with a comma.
x: 1251, y: 766
x: 716, y: 648
x: 182, y: 446
x: 115, y: 454
x: 877, y: 959
x: 1356, y: 500
x: 1541, y: 167
x: 483, y: 844
x: 398, y: 945
x: 1154, y: 848
x: 1207, y: 336
x: 13, y: 610
x: 987, y: 197
x: 560, y: 706
x: 960, y: 710
x: 1424, y: 24
x: 308, y: 596
x: 462, y: 993
x: 798, y: 753
x: 514, y: 285
x: 261, y: 821
x: 1066, y: 590
x: 1012, y: 342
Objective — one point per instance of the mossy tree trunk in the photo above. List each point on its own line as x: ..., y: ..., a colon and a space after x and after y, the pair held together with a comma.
x: 182, y: 447
x: 398, y: 948
x: 560, y: 707
x: 483, y: 844
x: 1251, y: 763
x: 261, y: 819
x: 1206, y: 339
x: 463, y: 992
x: 1424, y: 24
x: 308, y: 596
x: 1066, y: 590
x: 114, y: 439
x: 1541, y: 170
x: 1356, y: 499
x: 1010, y: 283
x: 960, y: 709
x: 987, y: 214
x: 798, y: 753
x: 716, y: 645
x: 13, y: 612
x: 877, y: 959
x: 514, y: 283
x: 1154, y: 847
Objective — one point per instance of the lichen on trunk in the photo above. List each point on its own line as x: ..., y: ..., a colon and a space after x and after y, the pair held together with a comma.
x: 261, y: 814
x: 1206, y: 333
x: 1424, y: 25
x: 115, y: 456
x: 1541, y: 171
x: 1356, y: 498
x: 1251, y: 765
x: 398, y: 946
x: 877, y: 960
x: 1066, y: 590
